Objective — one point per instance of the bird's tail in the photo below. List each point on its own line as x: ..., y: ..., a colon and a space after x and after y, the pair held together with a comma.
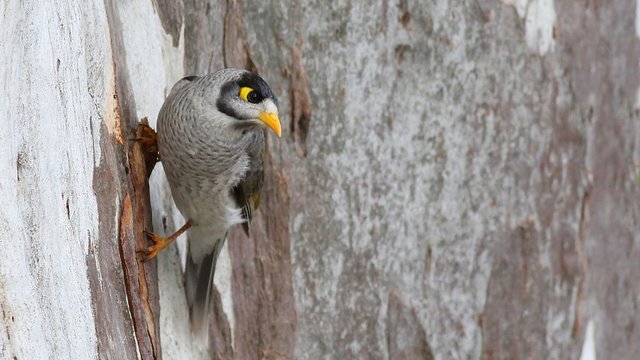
x: 204, y: 245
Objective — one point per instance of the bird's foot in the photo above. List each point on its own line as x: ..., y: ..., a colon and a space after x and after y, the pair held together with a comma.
x: 148, y: 139
x: 159, y: 243
x: 147, y: 136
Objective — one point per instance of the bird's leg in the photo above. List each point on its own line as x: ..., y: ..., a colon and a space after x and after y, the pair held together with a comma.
x: 160, y: 242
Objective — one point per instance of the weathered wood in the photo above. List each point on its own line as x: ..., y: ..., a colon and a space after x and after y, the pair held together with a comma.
x: 455, y: 180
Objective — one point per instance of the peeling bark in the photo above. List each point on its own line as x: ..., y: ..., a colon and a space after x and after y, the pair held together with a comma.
x: 140, y: 277
x: 300, y: 101
x: 236, y: 49
x: 114, y: 325
x: 469, y: 188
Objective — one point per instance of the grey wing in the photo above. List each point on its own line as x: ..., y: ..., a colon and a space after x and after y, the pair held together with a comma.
x: 247, y: 192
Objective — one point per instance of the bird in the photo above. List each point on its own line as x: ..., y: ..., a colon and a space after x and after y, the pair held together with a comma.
x: 211, y: 143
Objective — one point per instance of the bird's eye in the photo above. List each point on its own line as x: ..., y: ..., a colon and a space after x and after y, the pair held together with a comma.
x: 250, y: 95
x: 253, y: 97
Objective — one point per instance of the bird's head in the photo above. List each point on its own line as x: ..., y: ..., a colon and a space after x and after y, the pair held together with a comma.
x: 247, y: 100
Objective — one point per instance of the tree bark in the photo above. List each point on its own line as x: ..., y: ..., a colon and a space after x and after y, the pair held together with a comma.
x: 455, y: 180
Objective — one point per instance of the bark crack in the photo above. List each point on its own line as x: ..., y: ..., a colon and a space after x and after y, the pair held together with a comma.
x: 582, y: 261
x: 300, y: 101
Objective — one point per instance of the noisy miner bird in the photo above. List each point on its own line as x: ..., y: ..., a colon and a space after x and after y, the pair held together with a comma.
x: 211, y: 144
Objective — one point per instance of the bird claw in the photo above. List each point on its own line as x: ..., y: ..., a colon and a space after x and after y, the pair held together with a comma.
x: 159, y: 243
x: 147, y: 139
x: 147, y: 136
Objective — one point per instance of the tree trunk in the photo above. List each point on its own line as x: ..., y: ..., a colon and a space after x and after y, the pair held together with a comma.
x: 455, y: 180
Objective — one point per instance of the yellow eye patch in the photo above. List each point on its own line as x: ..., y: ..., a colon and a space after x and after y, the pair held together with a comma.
x: 244, y: 92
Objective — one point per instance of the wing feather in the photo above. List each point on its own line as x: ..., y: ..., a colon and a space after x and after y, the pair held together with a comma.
x: 247, y: 192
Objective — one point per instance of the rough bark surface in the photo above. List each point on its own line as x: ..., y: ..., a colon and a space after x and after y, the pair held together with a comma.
x: 406, y: 338
x: 457, y: 180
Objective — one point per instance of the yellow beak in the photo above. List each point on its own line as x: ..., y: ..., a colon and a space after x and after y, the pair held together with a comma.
x: 272, y: 121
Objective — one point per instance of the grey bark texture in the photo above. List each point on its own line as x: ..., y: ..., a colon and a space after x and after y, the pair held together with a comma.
x: 456, y: 179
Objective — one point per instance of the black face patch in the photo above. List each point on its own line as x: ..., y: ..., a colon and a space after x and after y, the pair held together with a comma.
x: 231, y: 89
x: 260, y: 86
x: 227, y: 91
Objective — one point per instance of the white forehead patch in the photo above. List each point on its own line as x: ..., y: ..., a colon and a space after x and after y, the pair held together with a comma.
x: 270, y: 107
